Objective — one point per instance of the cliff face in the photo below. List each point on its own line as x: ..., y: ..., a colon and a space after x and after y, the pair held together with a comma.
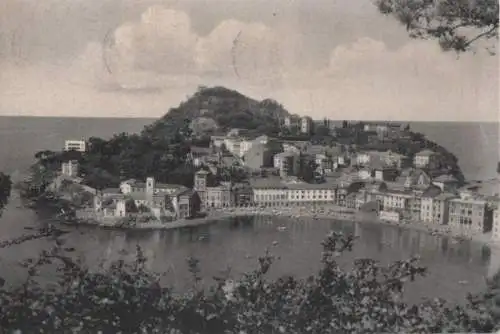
x: 220, y: 109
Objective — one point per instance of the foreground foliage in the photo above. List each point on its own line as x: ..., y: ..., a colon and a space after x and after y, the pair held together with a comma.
x: 128, y: 299
x: 456, y: 24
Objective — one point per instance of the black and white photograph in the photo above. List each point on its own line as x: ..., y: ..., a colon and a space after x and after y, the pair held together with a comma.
x: 249, y: 166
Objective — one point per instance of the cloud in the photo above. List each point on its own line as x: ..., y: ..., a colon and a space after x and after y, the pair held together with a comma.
x: 150, y: 64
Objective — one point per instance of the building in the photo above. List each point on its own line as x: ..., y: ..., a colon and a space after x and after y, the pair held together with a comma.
x: 134, y: 186
x: 496, y: 224
x: 306, y: 125
x: 446, y: 182
x: 75, y: 145
x: 218, y: 197
x: 412, y: 178
x: 242, y: 194
x: 185, y: 203
x: 275, y: 192
x: 385, y: 174
x: 258, y: 156
x: 435, y: 206
x: 396, y: 200
x: 470, y: 212
x: 209, y: 196
x: 287, y: 163
x: 383, y: 130
x: 70, y: 168
x: 287, y: 122
x: 427, y: 159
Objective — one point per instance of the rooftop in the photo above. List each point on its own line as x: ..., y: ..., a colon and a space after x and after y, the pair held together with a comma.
x: 425, y: 153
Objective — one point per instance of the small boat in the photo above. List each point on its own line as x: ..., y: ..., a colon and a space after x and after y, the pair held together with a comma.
x: 281, y: 228
x: 275, y: 243
x: 463, y: 282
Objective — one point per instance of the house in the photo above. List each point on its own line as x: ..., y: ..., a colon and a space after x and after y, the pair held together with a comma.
x: 427, y: 159
x: 446, y: 182
x: 470, y: 212
x: 75, y: 145
x: 306, y: 125
x: 70, y: 168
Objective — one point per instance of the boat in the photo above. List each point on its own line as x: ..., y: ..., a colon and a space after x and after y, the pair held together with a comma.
x: 281, y: 228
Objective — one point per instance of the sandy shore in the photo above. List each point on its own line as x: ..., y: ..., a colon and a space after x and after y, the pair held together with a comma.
x: 320, y: 213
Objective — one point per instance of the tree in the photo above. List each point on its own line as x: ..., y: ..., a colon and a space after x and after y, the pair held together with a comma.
x: 128, y: 298
x: 456, y: 24
x: 5, y: 188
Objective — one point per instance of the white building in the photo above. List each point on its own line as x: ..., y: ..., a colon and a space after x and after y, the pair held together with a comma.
x: 70, y: 168
x: 75, y: 145
x: 305, y: 125
x: 285, y: 194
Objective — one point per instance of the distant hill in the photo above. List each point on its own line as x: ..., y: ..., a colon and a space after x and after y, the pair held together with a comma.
x: 227, y: 108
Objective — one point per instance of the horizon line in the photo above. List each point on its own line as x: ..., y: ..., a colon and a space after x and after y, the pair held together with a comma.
x: 321, y: 118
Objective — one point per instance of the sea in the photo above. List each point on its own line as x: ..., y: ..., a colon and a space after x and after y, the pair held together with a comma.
x: 234, y: 245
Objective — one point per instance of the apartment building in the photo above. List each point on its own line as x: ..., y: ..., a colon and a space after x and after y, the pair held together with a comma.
x: 75, y: 145
x: 435, y: 206
x: 470, y: 212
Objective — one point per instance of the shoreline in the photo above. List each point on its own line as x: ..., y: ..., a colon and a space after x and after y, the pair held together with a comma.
x: 301, y: 213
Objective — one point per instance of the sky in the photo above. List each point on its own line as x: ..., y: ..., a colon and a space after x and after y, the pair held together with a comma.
x: 323, y: 58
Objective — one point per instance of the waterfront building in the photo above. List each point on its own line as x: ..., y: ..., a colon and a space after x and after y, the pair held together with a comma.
x: 70, y: 168
x: 185, y: 202
x: 435, y: 206
x: 427, y: 159
x: 275, y: 192
x: 75, y: 145
x: 396, y: 200
x: 470, y: 212
x: 242, y: 194
x: 383, y: 130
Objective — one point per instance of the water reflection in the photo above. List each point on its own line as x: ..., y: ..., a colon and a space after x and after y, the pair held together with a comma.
x: 237, y: 243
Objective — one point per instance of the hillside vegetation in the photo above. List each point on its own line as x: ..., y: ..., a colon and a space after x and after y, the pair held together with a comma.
x: 228, y: 108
